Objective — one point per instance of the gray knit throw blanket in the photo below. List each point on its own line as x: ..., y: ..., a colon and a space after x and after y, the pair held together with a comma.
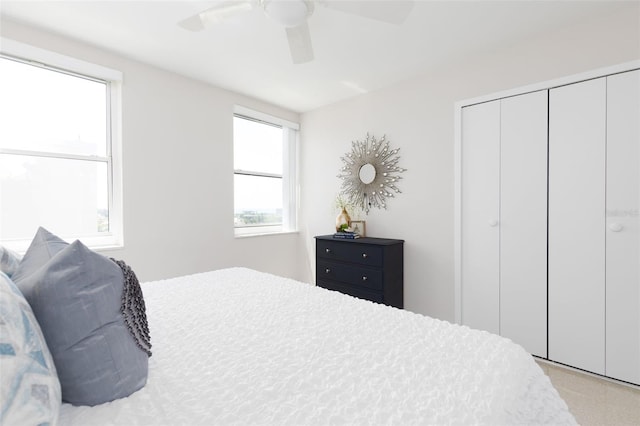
x: 133, y: 309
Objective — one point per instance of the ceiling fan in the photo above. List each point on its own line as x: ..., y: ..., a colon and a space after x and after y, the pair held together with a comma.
x: 293, y: 15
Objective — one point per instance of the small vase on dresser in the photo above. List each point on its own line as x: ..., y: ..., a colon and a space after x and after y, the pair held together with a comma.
x: 343, y: 220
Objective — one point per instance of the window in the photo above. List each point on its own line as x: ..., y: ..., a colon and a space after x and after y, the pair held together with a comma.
x: 264, y: 173
x: 59, y: 162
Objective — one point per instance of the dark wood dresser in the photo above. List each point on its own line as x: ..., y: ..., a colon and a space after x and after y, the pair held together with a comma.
x: 368, y: 268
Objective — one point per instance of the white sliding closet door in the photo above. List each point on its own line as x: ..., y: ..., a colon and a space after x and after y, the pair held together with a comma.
x: 623, y: 227
x: 523, y: 221
x: 504, y: 219
x: 577, y: 127
x: 480, y: 214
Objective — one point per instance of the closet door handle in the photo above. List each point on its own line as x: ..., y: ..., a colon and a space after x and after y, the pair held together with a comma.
x: 327, y: 271
x: 615, y: 227
x: 493, y: 223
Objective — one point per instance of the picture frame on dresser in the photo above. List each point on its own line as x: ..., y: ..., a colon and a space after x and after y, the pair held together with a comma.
x: 367, y: 268
x: 359, y: 227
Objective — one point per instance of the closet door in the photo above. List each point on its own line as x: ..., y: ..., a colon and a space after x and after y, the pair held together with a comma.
x: 577, y: 115
x: 523, y: 221
x: 480, y: 213
x: 622, y: 227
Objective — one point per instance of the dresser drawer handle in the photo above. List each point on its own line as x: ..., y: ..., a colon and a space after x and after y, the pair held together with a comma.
x: 364, y: 278
x: 327, y: 250
x: 364, y: 255
x: 326, y: 271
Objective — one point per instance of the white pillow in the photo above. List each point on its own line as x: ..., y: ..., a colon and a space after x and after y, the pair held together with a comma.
x: 29, y: 387
x: 9, y: 261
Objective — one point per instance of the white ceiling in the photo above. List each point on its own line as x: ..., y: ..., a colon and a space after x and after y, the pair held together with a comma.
x: 353, y: 55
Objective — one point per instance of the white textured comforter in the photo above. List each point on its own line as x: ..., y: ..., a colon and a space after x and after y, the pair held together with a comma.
x: 241, y: 347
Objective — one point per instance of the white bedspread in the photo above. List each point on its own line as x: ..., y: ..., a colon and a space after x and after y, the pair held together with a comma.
x: 241, y: 347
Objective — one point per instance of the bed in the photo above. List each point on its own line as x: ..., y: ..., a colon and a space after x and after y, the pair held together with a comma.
x: 237, y: 346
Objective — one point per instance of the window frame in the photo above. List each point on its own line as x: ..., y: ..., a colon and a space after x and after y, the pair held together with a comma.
x: 289, y: 174
x: 31, y: 55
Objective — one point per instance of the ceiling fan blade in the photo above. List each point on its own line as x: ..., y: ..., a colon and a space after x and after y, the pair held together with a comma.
x: 389, y: 11
x: 217, y: 14
x: 193, y: 23
x: 300, y: 43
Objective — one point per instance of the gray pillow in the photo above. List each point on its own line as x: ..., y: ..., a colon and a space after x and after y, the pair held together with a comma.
x: 43, y: 247
x: 76, y: 296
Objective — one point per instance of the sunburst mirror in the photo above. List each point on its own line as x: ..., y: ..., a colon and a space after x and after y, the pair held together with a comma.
x: 370, y: 172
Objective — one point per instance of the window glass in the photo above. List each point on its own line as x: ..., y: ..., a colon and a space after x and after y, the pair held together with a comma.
x: 50, y: 111
x: 258, y: 200
x: 257, y: 146
x: 69, y: 196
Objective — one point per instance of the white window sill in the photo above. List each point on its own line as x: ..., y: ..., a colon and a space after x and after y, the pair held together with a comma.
x: 98, y: 244
x: 264, y: 234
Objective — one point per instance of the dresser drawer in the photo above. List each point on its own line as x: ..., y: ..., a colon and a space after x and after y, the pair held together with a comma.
x: 349, y: 252
x: 351, y: 274
x: 352, y: 291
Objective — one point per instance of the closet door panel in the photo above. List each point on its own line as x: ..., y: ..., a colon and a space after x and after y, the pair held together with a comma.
x: 622, y: 227
x: 480, y: 214
x: 577, y: 115
x: 523, y: 221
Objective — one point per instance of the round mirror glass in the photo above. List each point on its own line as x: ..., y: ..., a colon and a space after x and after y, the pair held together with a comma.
x: 367, y: 173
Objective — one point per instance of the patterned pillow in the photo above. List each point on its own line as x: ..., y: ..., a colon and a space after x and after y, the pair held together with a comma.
x: 77, y: 295
x: 9, y: 261
x: 29, y: 386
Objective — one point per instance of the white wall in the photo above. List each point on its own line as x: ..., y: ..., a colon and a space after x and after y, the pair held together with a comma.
x: 178, y: 170
x: 417, y: 116
x: 177, y: 133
